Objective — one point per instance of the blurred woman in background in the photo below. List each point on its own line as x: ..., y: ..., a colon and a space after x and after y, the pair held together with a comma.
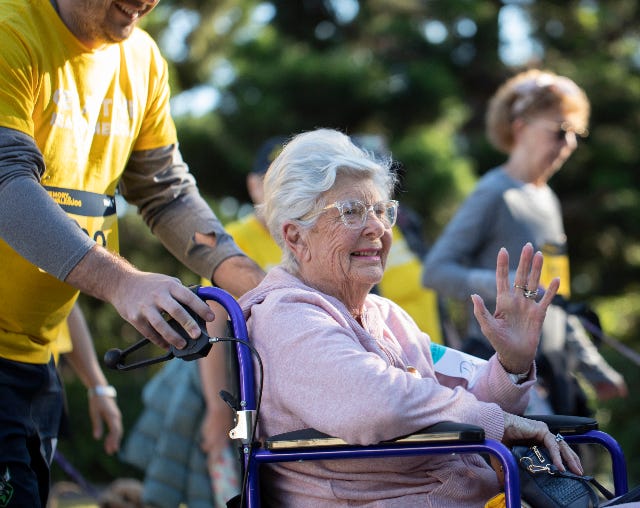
x: 535, y: 118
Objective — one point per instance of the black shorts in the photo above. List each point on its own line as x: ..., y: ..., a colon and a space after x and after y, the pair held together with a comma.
x: 30, y: 411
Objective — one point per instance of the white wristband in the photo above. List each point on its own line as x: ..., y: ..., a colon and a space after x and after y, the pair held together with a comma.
x: 103, y: 391
x: 518, y: 378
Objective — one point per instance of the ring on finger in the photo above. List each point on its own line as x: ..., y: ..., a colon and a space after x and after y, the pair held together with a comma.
x: 518, y: 286
x: 559, y: 439
x: 531, y: 294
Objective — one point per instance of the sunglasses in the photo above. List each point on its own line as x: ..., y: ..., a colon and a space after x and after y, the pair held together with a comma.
x: 561, y: 129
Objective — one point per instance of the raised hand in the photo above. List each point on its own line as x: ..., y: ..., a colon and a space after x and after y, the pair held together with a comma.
x: 514, y: 328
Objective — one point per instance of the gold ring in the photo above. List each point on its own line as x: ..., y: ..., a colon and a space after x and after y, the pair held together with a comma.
x: 517, y: 286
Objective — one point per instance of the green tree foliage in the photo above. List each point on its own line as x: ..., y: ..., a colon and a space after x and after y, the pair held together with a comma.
x: 421, y: 73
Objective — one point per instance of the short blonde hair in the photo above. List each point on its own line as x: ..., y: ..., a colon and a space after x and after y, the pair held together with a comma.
x: 529, y: 94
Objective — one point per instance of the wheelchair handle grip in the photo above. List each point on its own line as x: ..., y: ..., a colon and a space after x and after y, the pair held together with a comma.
x: 195, y: 348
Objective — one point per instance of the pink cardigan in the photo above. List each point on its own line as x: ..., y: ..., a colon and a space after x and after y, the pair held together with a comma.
x: 323, y: 370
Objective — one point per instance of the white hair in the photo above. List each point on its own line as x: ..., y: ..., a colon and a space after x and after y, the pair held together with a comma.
x: 307, y: 167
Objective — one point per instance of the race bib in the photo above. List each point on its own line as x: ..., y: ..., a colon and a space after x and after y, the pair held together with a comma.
x: 94, y: 213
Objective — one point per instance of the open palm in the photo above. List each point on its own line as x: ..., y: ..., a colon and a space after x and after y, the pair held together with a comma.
x: 514, y: 328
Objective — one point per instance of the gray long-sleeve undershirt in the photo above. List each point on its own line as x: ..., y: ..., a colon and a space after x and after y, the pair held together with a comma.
x: 30, y: 221
x: 157, y: 181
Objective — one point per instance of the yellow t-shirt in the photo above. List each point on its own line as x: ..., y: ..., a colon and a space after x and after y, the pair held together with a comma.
x: 87, y: 111
x: 556, y: 264
x: 400, y: 283
x: 62, y: 344
x: 255, y: 241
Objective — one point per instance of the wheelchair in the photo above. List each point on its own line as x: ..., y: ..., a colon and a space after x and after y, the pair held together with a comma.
x: 309, y: 444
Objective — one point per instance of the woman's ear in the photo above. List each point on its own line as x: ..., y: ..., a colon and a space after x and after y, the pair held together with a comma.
x: 294, y: 239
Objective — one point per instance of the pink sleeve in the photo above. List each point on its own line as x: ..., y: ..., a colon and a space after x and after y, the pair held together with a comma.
x: 318, y: 374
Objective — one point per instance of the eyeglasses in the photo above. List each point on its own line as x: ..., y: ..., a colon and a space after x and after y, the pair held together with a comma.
x: 354, y: 213
x: 561, y: 129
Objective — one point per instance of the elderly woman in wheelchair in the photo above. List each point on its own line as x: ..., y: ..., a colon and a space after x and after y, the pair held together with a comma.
x: 354, y: 365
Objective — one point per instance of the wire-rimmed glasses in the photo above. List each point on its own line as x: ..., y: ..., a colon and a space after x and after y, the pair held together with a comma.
x: 353, y: 213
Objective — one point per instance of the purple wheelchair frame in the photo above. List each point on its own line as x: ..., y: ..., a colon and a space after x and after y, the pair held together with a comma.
x: 253, y: 456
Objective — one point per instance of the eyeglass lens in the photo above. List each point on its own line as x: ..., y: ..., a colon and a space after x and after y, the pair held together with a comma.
x: 354, y: 213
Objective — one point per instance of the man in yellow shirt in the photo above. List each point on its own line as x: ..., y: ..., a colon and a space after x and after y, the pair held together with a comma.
x: 84, y: 108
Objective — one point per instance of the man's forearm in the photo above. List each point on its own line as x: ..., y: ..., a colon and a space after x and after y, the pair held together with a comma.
x: 30, y: 221
x: 158, y: 182
x: 237, y: 274
x: 99, y: 273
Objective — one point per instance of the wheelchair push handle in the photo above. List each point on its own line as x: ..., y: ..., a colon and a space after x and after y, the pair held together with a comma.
x: 195, y: 348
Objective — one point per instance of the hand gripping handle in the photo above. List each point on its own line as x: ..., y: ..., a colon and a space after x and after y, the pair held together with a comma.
x: 195, y: 348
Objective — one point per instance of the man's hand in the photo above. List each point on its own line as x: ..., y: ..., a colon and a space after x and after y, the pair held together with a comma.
x: 146, y: 300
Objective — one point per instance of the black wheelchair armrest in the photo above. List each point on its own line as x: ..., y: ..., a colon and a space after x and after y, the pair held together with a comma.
x: 438, y: 433
x: 566, y: 424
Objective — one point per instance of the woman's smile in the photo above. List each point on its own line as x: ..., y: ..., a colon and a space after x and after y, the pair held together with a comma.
x: 367, y: 254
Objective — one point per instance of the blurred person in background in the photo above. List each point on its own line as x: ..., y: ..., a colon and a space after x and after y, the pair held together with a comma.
x: 75, y: 346
x: 250, y: 232
x: 181, y: 440
x: 535, y: 118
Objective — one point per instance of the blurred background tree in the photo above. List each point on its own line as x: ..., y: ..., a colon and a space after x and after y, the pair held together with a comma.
x: 420, y: 72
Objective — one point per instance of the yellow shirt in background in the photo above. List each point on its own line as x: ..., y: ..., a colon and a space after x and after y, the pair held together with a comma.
x: 402, y: 284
